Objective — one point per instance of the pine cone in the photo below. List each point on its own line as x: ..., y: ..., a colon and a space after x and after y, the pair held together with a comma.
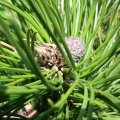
x: 48, y: 55
x: 76, y: 47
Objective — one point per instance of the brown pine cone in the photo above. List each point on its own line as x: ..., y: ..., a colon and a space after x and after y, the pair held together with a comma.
x: 48, y: 55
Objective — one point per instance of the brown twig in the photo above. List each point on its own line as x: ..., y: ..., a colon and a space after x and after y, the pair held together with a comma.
x: 7, y: 45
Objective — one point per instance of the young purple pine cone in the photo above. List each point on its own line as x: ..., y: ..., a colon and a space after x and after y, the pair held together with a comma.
x: 76, y: 47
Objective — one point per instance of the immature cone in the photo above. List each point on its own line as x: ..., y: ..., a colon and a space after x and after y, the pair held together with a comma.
x: 48, y: 55
x: 76, y: 47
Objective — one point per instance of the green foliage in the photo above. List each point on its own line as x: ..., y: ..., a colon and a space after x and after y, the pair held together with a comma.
x: 89, y: 89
